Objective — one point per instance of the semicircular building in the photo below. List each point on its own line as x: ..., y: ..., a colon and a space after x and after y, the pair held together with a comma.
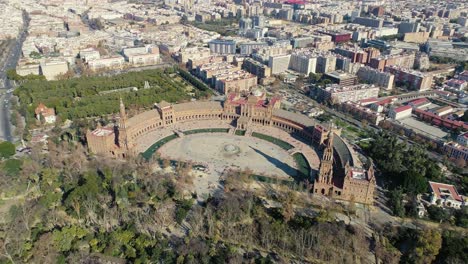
x: 339, y: 174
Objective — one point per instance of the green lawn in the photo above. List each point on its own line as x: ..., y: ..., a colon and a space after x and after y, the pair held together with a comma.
x: 151, y: 150
x: 303, y: 171
x: 240, y: 132
x: 207, y: 130
x: 282, y: 144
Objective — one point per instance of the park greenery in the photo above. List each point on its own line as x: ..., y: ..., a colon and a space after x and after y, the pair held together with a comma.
x: 406, y: 171
x: 280, y: 143
x: 93, y: 97
x: 224, y: 27
x: 12, y: 75
x: 7, y: 149
x: 392, y: 37
x: 67, y: 208
x: 319, y: 79
x: 402, y: 165
x: 461, y: 65
x: 206, y: 130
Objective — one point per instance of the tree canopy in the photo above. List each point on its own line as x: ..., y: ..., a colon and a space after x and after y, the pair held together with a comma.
x: 402, y: 165
x: 7, y: 149
x: 99, y: 95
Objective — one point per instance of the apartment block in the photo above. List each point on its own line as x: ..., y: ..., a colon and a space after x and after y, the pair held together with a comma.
x: 341, y: 78
x: 362, y: 113
x: 404, y: 60
x: 326, y: 63
x: 52, y: 69
x: 208, y: 70
x: 239, y: 81
x: 279, y: 63
x: 416, y: 80
x: 373, y: 76
x: 116, y: 62
x: 249, y: 48
x: 27, y: 69
x: 256, y: 68
x: 195, y: 62
x: 340, y: 94
x: 416, y: 37
x: 356, y: 54
x: 193, y: 53
x: 89, y: 54
x: 222, y: 46
x: 369, y: 22
x: 303, y: 62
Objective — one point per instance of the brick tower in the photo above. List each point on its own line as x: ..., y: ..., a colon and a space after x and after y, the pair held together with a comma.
x: 324, y: 182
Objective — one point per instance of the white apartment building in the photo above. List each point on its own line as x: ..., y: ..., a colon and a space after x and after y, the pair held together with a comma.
x: 279, y: 63
x: 52, y: 69
x: 89, y: 54
x: 27, y: 69
x: 303, y: 62
x: 144, y: 59
x: 115, y: 62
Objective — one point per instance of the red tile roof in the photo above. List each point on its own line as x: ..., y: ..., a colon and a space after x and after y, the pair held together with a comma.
x: 44, y: 110
x: 419, y: 101
x: 402, y: 108
x: 442, y: 190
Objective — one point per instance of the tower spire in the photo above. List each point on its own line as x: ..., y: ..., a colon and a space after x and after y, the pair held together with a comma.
x: 123, y: 113
x: 122, y: 136
x: 326, y: 167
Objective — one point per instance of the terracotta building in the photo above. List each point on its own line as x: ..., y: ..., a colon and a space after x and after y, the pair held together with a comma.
x: 47, y: 113
x: 343, y: 181
x: 404, y: 60
x: 338, y: 174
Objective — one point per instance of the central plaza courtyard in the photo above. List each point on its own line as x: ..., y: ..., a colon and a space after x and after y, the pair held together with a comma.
x: 265, y: 151
x: 220, y: 151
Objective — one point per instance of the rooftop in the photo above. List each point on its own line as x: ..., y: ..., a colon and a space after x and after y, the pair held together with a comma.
x: 402, y: 108
x: 419, y: 101
x: 299, y: 118
x: 445, y: 191
x: 103, y: 131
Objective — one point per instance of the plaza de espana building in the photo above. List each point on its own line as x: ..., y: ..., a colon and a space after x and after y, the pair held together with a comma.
x: 340, y: 174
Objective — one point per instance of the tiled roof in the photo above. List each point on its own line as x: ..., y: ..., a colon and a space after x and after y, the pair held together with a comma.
x: 402, y: 108
x: 445, y: 191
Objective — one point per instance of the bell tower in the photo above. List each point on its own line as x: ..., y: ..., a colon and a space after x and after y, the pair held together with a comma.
x: 324, y: 181
x: 123, y: 140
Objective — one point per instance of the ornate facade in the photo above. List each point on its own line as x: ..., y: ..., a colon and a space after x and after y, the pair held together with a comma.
x: 343, y: 182
x: 238, y: 110
x: 337, y: 176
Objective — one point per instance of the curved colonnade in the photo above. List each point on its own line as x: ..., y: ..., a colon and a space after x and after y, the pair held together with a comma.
x: 153, y: 125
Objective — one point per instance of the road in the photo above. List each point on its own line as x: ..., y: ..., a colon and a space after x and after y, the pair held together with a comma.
x: 5, y: 85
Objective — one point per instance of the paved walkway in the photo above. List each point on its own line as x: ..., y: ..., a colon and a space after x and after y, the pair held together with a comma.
x: 299, y: 146
x: 144, y: 142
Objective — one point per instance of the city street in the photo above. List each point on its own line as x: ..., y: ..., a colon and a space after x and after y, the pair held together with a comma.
x: 5, y: 85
